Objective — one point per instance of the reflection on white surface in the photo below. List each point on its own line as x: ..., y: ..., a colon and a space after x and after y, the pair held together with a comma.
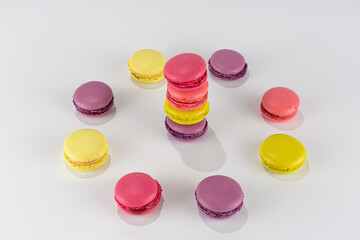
x: 231, y: 83
x: 141, y: 220
x: 149, y: 86
x: 92, y: 173
x: 291, y: 177
x: 290, y: 125
x: 205, y: 154
x: 227, y: 225
x: 96, y: 121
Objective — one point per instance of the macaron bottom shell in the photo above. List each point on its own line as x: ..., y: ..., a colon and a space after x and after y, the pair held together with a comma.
x: 191, y: 85
x: 95, y: 112
x: 282, y: 170
x: 230, y: 77
x: 147, y: 78
x: 219, y: 215
x: 86, y: 167
x: 276, y: 118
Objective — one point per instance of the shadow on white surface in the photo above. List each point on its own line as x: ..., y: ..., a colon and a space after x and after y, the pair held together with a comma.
x: 141, y: 220
x: 149, y: 86
x: 231, y: 83
x: 291, y: 177
x: 96, y: 121
x: 205, y: 154
x: 227, y: 225
x: 290, y: 125
x: 92, y: 173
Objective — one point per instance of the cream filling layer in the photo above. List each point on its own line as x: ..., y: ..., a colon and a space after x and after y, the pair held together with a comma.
x: 84, y: 163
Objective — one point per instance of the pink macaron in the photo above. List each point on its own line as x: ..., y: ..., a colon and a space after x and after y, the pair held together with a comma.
x: 137, y: 193
x: 187, y: 100
x: 280, y: 104
x: 93, y: 98
x: 186, y: 71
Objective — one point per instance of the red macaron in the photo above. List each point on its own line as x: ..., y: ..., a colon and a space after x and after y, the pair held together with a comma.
x: 280, y: 104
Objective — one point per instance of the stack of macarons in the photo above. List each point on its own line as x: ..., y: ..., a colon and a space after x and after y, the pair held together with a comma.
x: 186, y: 103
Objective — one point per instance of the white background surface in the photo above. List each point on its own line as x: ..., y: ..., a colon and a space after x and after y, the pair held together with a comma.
x: 48, y: 49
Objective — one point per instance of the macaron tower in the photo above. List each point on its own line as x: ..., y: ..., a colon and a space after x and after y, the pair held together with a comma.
x: 186, y: 104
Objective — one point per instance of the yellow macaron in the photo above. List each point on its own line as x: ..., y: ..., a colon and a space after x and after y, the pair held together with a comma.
x: 85, y: 149
x: 186, y: 117
x: 282, y: 153
x: 147, y: 65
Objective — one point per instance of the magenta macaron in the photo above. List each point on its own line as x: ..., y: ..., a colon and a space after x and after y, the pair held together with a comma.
x: 93, y: 98
x: 219, y: 196
x: 186, y: 133
x: 186, y: 71
x: 280, y: 104
x: 137, y: 193
x: 227, y: 64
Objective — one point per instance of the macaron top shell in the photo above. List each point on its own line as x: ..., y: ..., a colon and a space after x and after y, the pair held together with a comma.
x: 219, y: 193
x: 227, y: 61
x: 281, y: 101
x: 184, y: 69
x: 282, y: 153
x: 85, y: 145
x: 93, y: 95
x: 147, y: 62
x: 136, y: 190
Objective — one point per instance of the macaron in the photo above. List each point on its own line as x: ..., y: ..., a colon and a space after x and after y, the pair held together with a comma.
x: 227, y: 64
x: 282, y: 153
x: 187, y: 100
x: 186, y: 71
x: 85, y: 149
x: 219, y: 196
x: 280, y: 104
x: 93, y: 98
x: 186, y: 133
x: 147, y: 65
x: 186, y: 117
x: 137, y: 193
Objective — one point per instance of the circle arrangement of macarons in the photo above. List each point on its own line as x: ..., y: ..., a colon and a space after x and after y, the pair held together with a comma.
x: 186, y: 107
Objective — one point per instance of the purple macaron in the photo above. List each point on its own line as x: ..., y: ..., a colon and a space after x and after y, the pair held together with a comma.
x: 227, y: 64
x: 186, y: 133
x: 219, y: 196
x: 93, y: 98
